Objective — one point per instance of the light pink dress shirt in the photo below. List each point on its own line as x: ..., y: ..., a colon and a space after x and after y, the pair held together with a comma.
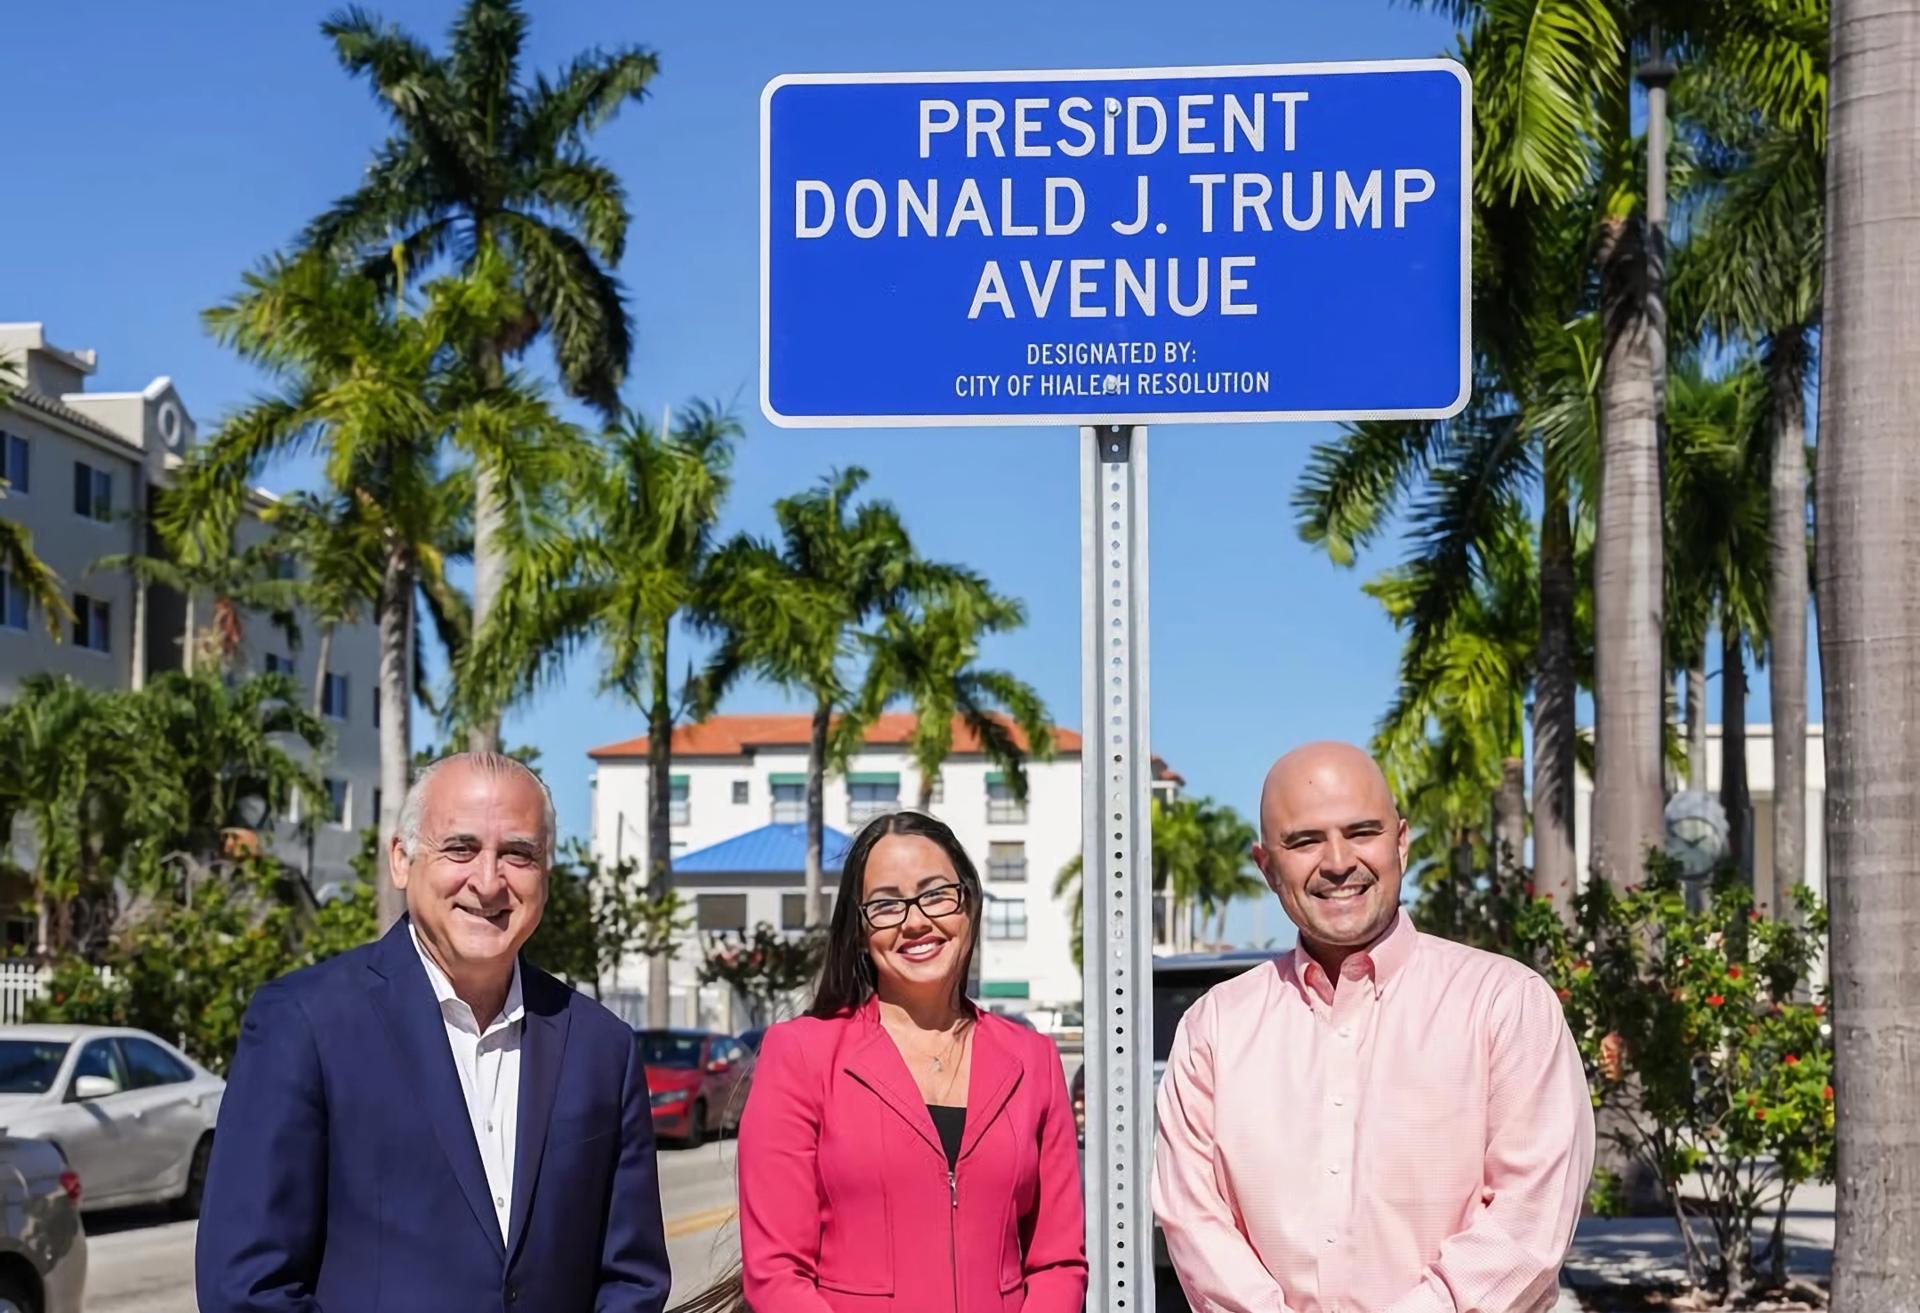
x: 1417, y: 1141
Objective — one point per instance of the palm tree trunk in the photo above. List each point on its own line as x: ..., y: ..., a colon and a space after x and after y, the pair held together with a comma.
x: 1786, y: 363
x: 1554, y: 723
x: 138, y: 677
x: 1735, y: 798
x: 395, y: 620
x: 324, y: 655
x: 1510, y: 818
x: 489, y: 547
x: 659, y: 825
x: 1628, y: 574
x: 816, y: 807
x: 1868, y: 512
x: 1697, y: 721
x: 187, y: 640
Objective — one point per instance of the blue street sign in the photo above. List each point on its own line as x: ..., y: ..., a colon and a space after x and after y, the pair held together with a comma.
x: 1150, y: 245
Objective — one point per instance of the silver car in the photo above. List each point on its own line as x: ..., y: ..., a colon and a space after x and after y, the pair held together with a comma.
x: 133, y: 1114
x: 43, y: 1247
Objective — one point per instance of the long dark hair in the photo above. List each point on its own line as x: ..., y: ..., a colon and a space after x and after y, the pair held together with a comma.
x: 847, y: 973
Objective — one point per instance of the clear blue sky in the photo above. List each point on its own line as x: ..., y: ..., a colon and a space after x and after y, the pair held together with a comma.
x: 159, y: 150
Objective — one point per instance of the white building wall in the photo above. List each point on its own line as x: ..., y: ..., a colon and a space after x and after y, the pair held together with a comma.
x: 1760, y: 787
x: 1050, y: 834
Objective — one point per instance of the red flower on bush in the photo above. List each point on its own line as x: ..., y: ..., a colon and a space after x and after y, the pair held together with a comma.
x: 1733, y: 973
x: 1819, y: 1009
x: 1827, y: 1094
x: 1715, y: 1000
x: 1791, y: 1060
x: 1566, y: 995
x: 1759, y: 1114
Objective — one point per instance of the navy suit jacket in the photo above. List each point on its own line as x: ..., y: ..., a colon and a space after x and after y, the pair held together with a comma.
x: 345, y: 1177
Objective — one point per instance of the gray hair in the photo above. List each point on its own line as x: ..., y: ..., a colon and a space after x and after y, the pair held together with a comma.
x: 490, y: 763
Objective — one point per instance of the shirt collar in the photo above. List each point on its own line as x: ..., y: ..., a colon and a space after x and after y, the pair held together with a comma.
x: 1378, y: 963
x: 510, y: 1012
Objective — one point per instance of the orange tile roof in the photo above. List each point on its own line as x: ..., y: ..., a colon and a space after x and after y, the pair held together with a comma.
x: 736, y: 736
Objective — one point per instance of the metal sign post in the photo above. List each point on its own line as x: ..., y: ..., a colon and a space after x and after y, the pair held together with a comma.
x: 1116, y: 775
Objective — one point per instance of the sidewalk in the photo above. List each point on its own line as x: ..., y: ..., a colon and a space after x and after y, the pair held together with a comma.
x: 1611, y: 1252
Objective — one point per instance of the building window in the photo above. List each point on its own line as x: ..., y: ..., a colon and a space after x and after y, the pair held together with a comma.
x: 376, y: 708
x: 869, y: 796
x: 92, y: 624
x: 789, y: 798
x: 92, y: 492
x: 333, y: 696
x: 1006, y: 861
x: 279, y: 665
x: 376, y: 804
x: 339, y: 800
x: 16, y: 465
x: 1006, y: 918
x: 793, y: 910
x: 720, y: 913
x: 739, y: 793
x: 13, y: 603
x: 679, y: 805
x: 1002, y: 807
x: 282, y: 565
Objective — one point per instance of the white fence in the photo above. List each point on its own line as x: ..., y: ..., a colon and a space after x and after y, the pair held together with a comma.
x: 23, y: 982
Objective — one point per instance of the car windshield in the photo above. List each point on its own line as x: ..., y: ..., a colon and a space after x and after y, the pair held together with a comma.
x: 1176, y: 991
x: 28, y: 1066
x: 660, y: 1049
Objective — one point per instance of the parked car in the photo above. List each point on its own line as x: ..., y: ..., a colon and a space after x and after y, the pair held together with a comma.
x: 43, y: 1246
x: 1178, y: 982
x: 698, y: 1080
x: 752, y: 1038
x: 133, y: 1114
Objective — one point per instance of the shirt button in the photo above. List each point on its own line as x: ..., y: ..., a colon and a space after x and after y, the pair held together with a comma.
x: 1339, y: 1100
x: 498, y: 1202
x: 1333, y: 1169
x: 1346, y: 1032
x: 1331, y: 1240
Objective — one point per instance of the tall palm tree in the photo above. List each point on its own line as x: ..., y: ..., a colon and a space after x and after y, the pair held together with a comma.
x: 639, y: 560
x: 482, y: 162
x: 379, y: 393
x: 237, y: 580
x: 1751, y: 273
x: 928, y: 656
x: 1868, y: 516
x: 792, y: 612
x: 337, y: 540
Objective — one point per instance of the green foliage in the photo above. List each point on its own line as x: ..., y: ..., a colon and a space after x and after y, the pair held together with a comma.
x: 1697, y: 1030
x: 597, y: 914
x: 766, y: 968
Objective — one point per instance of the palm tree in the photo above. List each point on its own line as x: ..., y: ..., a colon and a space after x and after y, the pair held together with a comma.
x: 928, y: 656
x: 76, y: 762
x: 637, y: 564
x: 237, y: 581
x: 337, y: 538
x: 1751, y: 273
x: 793, y: 613
x: 1868, y: 518
x: 1202, y: 859
x: 380, y: 393
x: 1717, y: 506
x: 481, y: 164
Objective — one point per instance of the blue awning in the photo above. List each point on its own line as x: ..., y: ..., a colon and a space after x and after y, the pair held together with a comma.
x: 777, y: 849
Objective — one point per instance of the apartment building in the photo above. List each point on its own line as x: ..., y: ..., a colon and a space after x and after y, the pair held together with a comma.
x: 81, y: 468
x: 738, y: 824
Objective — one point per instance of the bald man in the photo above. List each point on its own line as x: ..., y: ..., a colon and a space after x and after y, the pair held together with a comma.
x: 1381, y: 1121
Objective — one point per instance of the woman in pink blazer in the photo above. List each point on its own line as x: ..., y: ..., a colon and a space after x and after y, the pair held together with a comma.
x: 902, y: 1150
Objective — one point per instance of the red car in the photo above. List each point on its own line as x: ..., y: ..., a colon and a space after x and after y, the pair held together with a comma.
x: 698, y: 1080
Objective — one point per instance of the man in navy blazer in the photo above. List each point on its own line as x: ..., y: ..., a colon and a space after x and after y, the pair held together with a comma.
x: 381, y: 1149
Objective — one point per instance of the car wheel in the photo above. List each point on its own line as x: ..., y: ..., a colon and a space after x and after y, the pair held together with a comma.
x: 15, y: 1297
x: 188, y: 1204
x: 697, y: 1125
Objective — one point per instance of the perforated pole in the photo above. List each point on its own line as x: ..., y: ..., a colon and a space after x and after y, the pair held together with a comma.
x: 1116, y: 771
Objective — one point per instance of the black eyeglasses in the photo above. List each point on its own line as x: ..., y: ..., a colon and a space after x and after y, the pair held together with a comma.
x: 940, y: 901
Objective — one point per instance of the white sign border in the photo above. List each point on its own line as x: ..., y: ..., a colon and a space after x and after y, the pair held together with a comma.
x: 1081, y: 419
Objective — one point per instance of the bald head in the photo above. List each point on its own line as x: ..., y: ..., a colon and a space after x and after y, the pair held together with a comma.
x: 1314, y: 773
x: 1332, y: 846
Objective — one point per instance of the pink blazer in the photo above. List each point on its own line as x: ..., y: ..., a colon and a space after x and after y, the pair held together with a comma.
x: 846, y: 1205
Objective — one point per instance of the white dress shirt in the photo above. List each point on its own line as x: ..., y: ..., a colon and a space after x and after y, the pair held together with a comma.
x: 488, y: 1060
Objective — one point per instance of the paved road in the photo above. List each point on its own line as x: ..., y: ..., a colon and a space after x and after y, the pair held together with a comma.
x: 141, y: 1261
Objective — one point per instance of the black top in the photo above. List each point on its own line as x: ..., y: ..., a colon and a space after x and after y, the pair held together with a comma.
x: 952, y: 1124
